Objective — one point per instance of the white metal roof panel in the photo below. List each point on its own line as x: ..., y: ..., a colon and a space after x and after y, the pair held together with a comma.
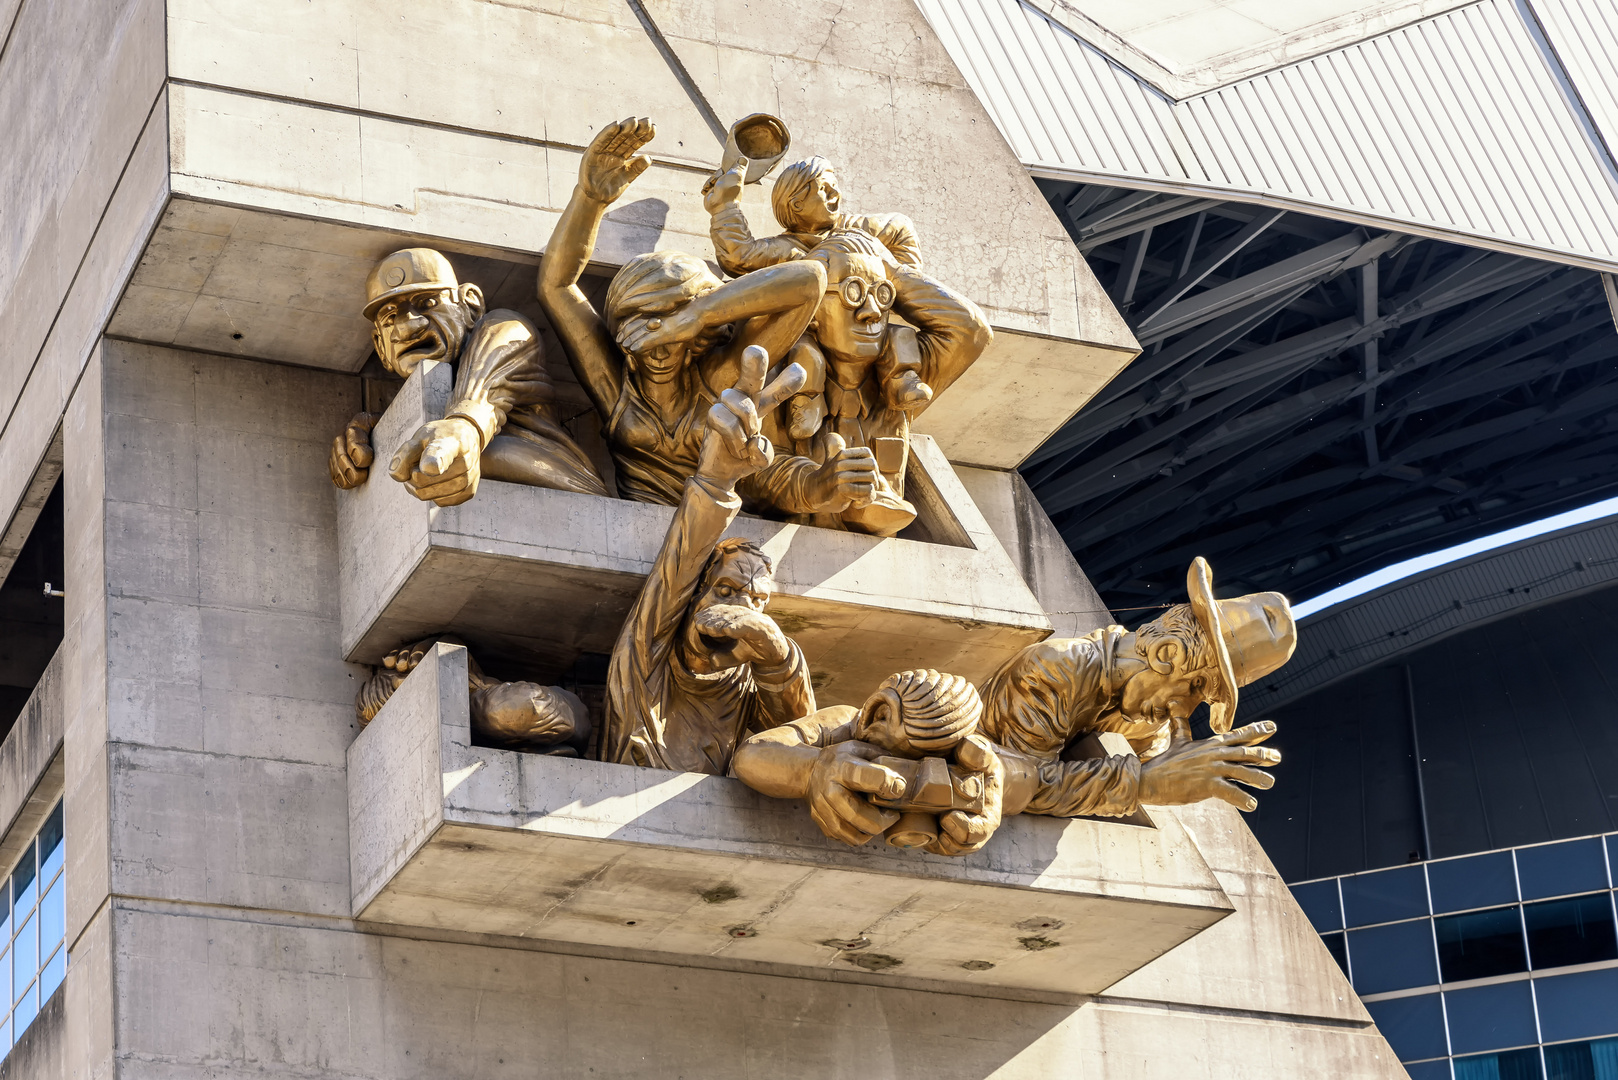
x: 1455, y: 126
x: 1185, y: 47
x: 1584, y: 34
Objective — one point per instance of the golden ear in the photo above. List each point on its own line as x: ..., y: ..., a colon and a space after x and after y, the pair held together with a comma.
x: 472, y: 297
x: 1164, y: 654
x: 879, y: 708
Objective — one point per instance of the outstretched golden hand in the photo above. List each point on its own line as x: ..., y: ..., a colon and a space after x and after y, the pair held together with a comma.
x: 611, y: 163
x: 1192, y: 770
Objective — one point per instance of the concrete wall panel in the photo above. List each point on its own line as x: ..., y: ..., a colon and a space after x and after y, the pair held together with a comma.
x: 91, y: 1029
x: 30, y: 747
x: 474, y: 186
x: 41, y: 1053
x: 1071, y: 602
x: 530, y: 71
x: 1266, y: 956
x: 86, y: 809
x: 462, y: 121
x: 226, y: 998
x: 229, y: 709
x: 873, y: 90
x: 78, y: 80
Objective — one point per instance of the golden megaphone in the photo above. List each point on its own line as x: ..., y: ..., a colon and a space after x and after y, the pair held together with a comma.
x: 762, y: 140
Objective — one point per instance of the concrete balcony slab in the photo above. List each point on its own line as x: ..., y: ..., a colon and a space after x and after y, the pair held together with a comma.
x: 458, y: 837
x: 532, y: 578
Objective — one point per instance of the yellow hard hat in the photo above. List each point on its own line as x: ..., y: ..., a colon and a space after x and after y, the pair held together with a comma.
x: 412, y: 270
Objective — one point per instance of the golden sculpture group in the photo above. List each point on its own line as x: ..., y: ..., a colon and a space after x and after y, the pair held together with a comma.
x: 678, y: 365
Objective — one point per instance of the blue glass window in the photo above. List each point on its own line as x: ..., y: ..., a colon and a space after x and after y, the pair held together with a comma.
x: 1491, y: 1017
x: 1604, y: 1059
x: 24, y: 885
x: 1582, y: 1061
x: 27, y: 1009
x: 1570, y: 1061
x: 33, y: 949
x: 1476, y: 882
x: 1511, y: 1065
x: 52, y: 847
x: 1397, y: 957
x: 51, y: 977
x: 1480, y: 944
x: 1385, y: 896
x: 1579, y: 1005
x: 1575, y: 866
x: 1429, y: 1070
x: 1413, y: 1026
x: 24, y: 957
x: 1319, y: 901
x: 1338, y: 949
x: 1574, y: 931
x: 51, y: 917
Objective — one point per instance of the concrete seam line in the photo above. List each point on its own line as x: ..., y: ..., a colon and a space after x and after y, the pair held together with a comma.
x: 406, y: 121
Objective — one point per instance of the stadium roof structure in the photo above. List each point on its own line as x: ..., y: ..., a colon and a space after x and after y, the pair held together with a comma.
x: 1405, y: 616
x: 1365, y: 249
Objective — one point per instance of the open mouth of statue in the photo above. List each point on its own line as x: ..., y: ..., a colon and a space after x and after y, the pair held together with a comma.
x: 425, y: 347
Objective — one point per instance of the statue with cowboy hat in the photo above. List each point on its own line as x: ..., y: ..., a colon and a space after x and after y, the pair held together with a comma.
x: 1145, y: 685
x: 1033, y: 740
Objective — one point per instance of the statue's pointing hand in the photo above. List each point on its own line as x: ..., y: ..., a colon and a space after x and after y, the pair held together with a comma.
x: 1192, y: 770
x: 840, y: 779
x: 441, y: 462
x: 611, y: 162
x: 732, y: 446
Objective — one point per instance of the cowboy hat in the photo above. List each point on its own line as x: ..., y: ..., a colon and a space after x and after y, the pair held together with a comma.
x: 1250, y: 636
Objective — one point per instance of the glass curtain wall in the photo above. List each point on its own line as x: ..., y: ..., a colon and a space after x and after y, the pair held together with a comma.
x: 1498, y: 966
x: 33, y: 954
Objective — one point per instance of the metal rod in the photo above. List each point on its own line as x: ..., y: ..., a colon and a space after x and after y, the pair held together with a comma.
x: 1415, y: 745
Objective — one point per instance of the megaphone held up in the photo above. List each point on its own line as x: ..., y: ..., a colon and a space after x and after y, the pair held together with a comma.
x: 762, y: 139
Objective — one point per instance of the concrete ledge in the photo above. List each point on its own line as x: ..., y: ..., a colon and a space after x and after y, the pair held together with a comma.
x: 452, y: 836
x: 31, y: 768
x: 532, y: 577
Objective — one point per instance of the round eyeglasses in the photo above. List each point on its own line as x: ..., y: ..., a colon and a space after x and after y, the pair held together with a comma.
x: 854, y: 290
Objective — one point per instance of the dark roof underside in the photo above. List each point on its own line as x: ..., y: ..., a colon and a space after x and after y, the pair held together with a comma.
x: 1517, y: 739
x: 1316, y: 400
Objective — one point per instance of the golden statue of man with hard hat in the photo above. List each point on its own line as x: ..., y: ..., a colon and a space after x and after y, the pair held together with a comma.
x: 1022, y: 742
x: 499, y: 423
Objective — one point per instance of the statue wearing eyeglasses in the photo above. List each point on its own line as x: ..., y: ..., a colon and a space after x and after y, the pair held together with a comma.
x: 866, y: 378
x: 862, y: 362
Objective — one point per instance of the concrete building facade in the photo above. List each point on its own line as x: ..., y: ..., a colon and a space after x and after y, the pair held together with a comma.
x: 204, y: 187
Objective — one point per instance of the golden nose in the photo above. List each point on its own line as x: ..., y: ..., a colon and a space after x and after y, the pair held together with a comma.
x: 408, y: 322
